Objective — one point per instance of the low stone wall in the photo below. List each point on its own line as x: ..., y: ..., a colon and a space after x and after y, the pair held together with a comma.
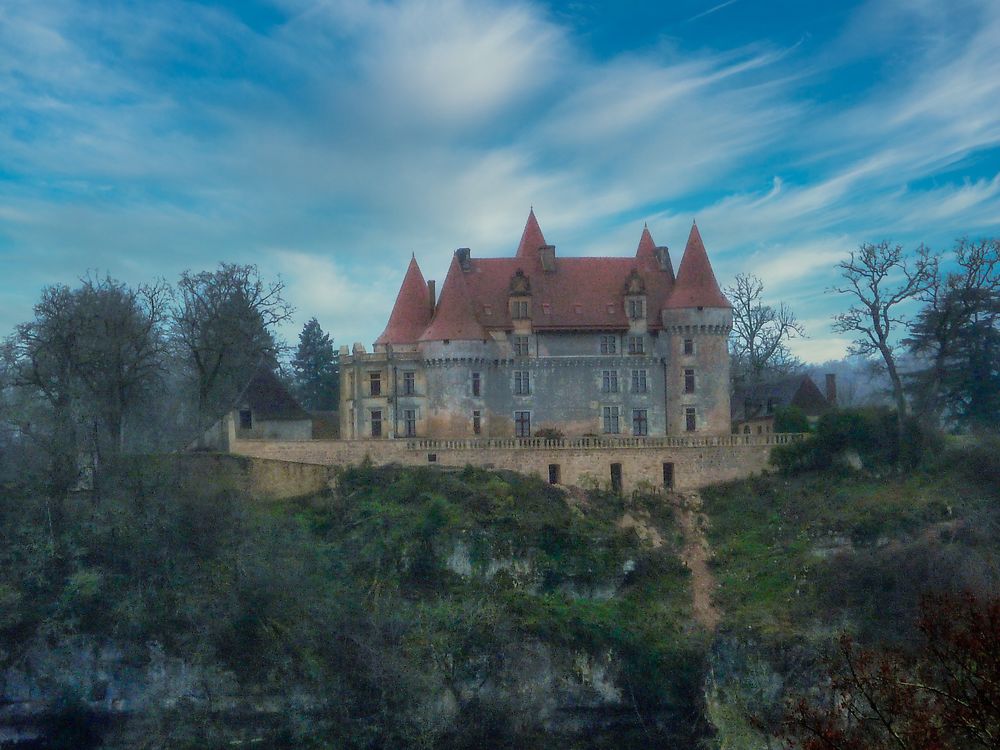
x: 583, y: 461
x: 263, y: 478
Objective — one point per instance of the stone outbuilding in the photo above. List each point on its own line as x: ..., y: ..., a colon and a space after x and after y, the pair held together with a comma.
x: 755, y: 406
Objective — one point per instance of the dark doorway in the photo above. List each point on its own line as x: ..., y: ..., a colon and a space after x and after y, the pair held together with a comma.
x: 616, y: 477
x: 668, y: 476
x: 553, y: 473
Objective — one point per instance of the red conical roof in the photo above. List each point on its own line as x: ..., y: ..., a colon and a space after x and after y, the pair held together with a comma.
x: 454, y: 318
x: 647, y: 248
x: 531, y: 238
x: 412, y: 311
x: 696, y: 285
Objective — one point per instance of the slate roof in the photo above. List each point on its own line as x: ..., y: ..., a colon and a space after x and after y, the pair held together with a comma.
x: 269, y: 400
x: 412, y: 311
x: 751, y: 401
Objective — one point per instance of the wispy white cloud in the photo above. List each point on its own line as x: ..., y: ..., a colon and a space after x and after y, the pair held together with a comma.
x: 149, y: 140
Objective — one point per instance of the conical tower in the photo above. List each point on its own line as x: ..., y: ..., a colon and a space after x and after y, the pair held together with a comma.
x: 697, y: 318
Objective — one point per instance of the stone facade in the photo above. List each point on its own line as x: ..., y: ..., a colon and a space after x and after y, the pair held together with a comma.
x: 666, y: 462
x: 539, y: 344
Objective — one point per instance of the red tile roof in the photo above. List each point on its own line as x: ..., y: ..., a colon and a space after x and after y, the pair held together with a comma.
x: 696, y: 285
x: 454, y: 318
x: 647, y: 248
x: 411, y: 313
x: 531, y: 238
x: 581, y: 294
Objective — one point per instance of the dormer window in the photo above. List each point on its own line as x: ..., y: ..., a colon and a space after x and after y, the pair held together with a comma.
x: 636, y: 308
x: 519, y: 309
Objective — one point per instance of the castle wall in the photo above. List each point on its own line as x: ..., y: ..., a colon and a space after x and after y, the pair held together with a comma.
x: 580, y: 462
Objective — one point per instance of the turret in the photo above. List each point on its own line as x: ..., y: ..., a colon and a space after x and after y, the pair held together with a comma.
x: 697, y: 318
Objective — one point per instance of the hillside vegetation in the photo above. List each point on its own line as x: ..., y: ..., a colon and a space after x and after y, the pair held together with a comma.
x: 464, y: 609
x: 408, y: 608
x: 806, y: 556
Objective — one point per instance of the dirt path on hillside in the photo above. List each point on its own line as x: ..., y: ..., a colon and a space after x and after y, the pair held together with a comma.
x: 695, y: 555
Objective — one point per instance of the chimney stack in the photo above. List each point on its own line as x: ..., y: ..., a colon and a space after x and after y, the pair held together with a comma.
x: 831, y: 388
x: 464, y: 256
x: 662, y: 254
x: 547, y: 255
x: 431, y: 298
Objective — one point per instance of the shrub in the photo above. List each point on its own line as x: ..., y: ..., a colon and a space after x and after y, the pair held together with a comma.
x: 790, y: 419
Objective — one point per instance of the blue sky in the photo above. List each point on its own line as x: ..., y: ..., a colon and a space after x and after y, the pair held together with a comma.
x: 326, y: 140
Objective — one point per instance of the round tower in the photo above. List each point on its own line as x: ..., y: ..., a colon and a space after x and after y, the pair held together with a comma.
x: 697, y: 319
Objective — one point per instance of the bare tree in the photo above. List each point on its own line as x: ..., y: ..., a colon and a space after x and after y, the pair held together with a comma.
x: 223, y: 321
x: 120, y: 353
x: 42, y: 358
x: 760, y: 332
x: 880, y: 279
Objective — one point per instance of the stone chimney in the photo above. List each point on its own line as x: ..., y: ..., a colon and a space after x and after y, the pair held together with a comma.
x: 464, y: 256
x: 431, y: 298
x: 662, y: 254
x: 547, y: 255
x: 831, y: 388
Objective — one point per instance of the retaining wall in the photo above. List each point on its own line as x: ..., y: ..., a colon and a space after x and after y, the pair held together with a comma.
x: 582, y: 461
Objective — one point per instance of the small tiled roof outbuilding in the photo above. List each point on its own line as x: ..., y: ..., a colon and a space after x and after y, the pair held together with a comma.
x: 269, y: 400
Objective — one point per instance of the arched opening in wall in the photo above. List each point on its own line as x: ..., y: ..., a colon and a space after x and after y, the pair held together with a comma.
x: 616, y: 477
x: 554, y: 474
x: 668, y: 476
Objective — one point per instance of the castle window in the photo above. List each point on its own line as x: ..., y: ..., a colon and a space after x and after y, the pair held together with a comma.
x: 375, y: 383
x: 409, y: 383
x: 246, y: 419
x: 690, y: 419
x: 640, y: 423
x: 689, y: 381
x: 689, y: 346
x: 636, y: 345
x: 410, y: 422
x: 477, y: 384
x: 770, y: 406
x: 522, y: 382
x: 522, y: 424
x: 376, y: 423
x: 477, y: 422
x: 519, y: 309
x: 609, y: 344
x: 636, y: 309
x: 611, y: 417
x: 638, y: 381
x: 520, y: 346
x: 609, y: 381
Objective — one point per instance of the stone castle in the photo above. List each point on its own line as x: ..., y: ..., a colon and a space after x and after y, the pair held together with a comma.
x: 582, y: 370
x: 539, y: 344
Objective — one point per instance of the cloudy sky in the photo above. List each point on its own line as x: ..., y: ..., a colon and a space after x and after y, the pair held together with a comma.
x: 326, y: 140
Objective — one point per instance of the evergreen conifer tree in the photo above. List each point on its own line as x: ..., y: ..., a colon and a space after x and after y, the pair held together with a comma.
x: 316, y: 369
